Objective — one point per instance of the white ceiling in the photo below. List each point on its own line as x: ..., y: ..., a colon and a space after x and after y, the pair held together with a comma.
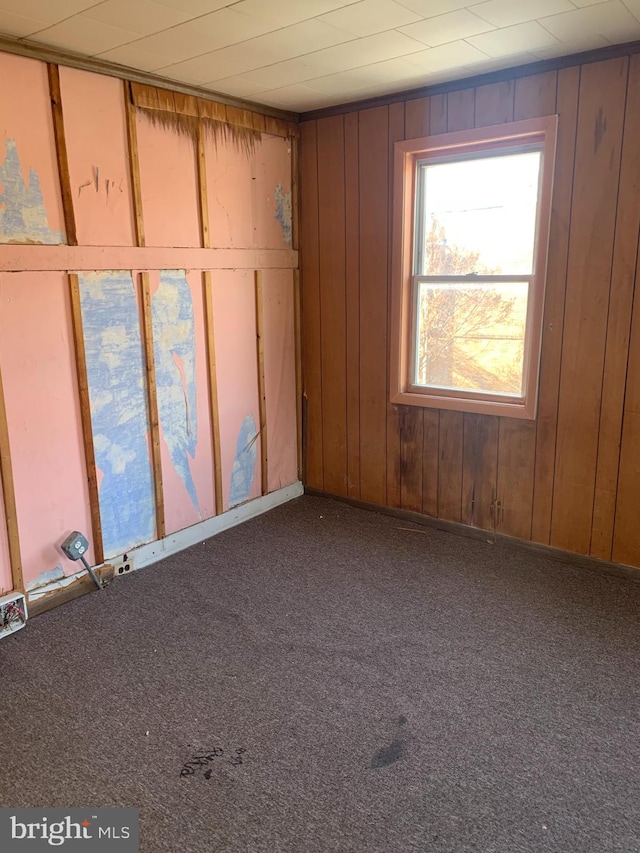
x: 305, y: 54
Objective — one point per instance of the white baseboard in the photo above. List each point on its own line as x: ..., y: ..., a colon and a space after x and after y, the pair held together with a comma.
x: 146, y: 555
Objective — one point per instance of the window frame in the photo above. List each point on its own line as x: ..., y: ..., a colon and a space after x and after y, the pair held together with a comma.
x: 539, y: 133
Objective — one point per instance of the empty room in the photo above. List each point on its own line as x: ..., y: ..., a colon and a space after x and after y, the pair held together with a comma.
x: 320, y: 426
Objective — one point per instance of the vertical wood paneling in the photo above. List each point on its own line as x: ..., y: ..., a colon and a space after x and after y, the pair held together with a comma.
x: 626, y: 540
x: 331, y: 245
x: 310, y: 303
x: 479, y: 470
x: 61, y: 154
x: 597, y: 168
x: 618, y: 324
x: 394, y: 438
x: 562, y: 478
x: 352, y: 300
x: 554, y: 303
x: 534, y: 96
x: 8, y: 491
x: 374, y: 189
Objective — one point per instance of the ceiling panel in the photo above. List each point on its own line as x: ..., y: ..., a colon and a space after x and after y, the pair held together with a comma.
x: 299, y: 54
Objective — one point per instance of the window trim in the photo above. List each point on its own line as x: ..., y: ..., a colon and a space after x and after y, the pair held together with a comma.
x: 541, y: 132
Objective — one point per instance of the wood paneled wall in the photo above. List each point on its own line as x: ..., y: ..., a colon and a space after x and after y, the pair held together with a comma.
x: 571, y: 478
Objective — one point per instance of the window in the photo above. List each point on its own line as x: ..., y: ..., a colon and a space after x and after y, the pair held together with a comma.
x: 471, y: 226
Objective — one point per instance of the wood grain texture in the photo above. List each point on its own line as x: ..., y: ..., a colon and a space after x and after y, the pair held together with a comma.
x: 374, y: 194
x: 623, y: 276
x: 214, y: 411
x: 480, y: 470
x: 85, y: 417
x: 554, y: 305
x: 561, y: 479
x: 61, y: 154
x: 262, y: 394
x: 352, y: 300
x: 394, y: 436
x: 8, y: 491
x: 310, y: 301
x: 203, y: 199
x: 331, y: 247
x: 152, y: 396
x: 595, y: 193
x: 134, y: 162
x: 626, y: 539
x: 297, y: 319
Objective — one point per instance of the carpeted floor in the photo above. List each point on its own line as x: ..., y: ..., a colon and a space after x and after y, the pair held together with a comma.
x: 371, y: 688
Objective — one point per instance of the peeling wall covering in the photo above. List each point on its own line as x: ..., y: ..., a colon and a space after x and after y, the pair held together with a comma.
x: 249, y: 203
x: 119, y: 416
x: 283, y: 212
x: 175, y: 356
x: 23, y: 218
x: 244, y: 463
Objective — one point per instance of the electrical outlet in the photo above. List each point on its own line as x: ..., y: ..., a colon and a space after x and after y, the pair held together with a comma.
x: 13, y: 613
x: 124, y: 567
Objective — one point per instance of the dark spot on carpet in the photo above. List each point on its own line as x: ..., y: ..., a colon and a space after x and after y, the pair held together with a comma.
x: 388, y: 754
x: 402, y: 720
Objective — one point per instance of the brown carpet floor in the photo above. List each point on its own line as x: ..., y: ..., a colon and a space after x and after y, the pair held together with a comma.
x: 321, y: 679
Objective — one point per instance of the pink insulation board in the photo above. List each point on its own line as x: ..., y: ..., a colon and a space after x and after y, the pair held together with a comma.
x: 30, y: 199
x: 186, y: 445
x: 237, y: 373
x: 249, y: 193
x: 280, y: 377
x: 43, y: 414
x: 96, y: 136
x: 168, y: 180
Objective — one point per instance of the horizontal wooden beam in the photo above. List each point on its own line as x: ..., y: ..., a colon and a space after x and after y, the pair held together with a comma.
x: 30, y: 258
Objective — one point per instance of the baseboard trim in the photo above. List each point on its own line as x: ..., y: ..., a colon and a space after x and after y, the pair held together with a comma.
x: 459, y: 529
x: 146, y: 555
x: 47, y: 597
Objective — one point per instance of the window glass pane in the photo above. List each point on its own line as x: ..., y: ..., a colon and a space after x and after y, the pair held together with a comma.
x: 470, y: 337
x: 478, y: 216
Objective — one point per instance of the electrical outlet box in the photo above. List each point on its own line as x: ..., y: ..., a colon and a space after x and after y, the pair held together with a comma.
x: 124, y: 567
x: 13, y: 613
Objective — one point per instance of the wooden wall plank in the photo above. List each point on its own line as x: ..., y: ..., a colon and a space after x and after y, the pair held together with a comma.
x: 374, y: 190
x: 626, y: 539
x: 352, y: 300
x: 480, y: 470
x: 554, y: 304
x: 618, y: 324
x: 394, y: 472
x: 8, y: 491
x: 61, y: 154
x: 154, y: 423
x: 214, y: 412
x: 310, y: 303
x: 494, y: 103
x: 298, y: 344
x: 534, y: 96
x: 134, y: 162
x: 203, y: 198
x: 85, y: 417
x: 461, y: 110
x: 597, y: 168
x: 262, y: 394
x: 331, y: 247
